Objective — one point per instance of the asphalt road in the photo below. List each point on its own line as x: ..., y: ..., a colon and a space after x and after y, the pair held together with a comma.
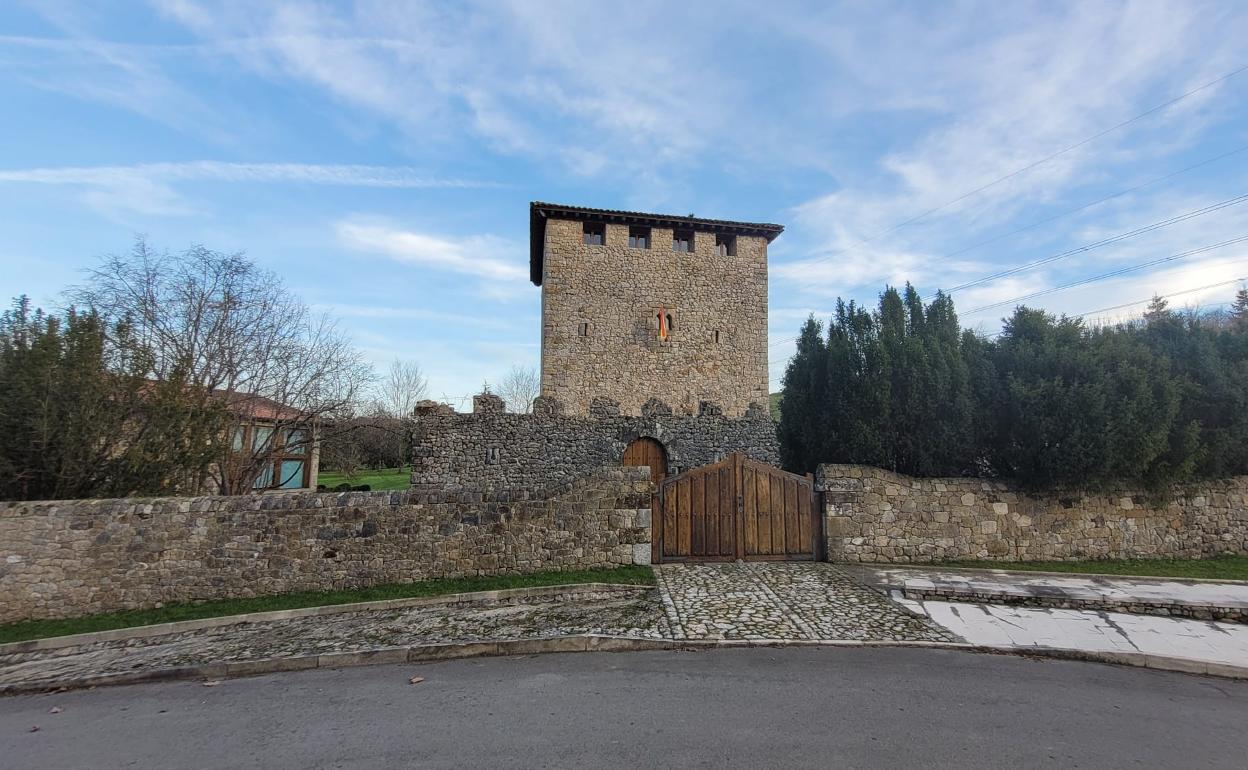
x: 740, y: 708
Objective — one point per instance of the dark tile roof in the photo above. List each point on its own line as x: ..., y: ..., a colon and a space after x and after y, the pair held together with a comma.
x: 539, y: 212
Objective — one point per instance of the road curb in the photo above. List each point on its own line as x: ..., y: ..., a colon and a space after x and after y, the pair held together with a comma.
x: 1042, y: 573
x: 1174, y: 608
x: 570, y: 590
x: 590, y: 643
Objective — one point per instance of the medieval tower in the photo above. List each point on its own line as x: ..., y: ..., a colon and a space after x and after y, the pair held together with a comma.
x: 638, y: 307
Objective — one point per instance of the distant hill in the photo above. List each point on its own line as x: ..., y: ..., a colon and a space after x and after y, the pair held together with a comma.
x: 773, y: 401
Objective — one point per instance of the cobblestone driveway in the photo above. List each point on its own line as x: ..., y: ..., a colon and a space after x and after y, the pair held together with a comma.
x: 346, y: 632
x: 761, y: 600
x: 712, y: 601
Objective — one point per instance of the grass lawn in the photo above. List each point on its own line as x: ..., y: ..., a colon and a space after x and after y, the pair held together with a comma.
x: 38, y: 629
x: 773, y: 402
x: 386, y: 478
x: 1221, y: 567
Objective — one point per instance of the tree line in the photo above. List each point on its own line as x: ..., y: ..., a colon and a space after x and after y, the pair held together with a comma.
x: 193, y: 372
x: 1049, y: 402
x: 155, y: 377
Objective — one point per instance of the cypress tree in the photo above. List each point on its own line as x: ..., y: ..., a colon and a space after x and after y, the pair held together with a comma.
x: 1050, y: 403
x: 801, y: 429
x: 949, y: 405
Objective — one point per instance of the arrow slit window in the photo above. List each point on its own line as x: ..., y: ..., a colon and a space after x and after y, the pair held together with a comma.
x: 663, y: 323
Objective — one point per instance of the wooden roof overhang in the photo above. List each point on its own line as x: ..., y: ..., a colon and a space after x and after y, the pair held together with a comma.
x: 539, y: 212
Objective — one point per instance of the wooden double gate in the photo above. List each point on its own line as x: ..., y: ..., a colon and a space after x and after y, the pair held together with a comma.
x: 736, y: 509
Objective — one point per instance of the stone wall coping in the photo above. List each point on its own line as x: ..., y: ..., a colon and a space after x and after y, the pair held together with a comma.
x: 311, y: 502
x: 846, y: 471
x: 545, y: 416
x: 567, y: 590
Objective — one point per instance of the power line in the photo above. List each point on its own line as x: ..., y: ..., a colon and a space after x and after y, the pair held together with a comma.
x: 1098, y: 244
x: 1103, y: 276
x: 1171, y: 295
x: 1084, y: 248
x: 1150, y: 299
x: 1030, y: 166
x: 1086, y: 206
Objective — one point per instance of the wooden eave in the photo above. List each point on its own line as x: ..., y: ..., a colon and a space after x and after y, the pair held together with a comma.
x: 540, y: 212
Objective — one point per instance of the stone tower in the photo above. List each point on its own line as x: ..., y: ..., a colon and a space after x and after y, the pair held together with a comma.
x: 640, y: 307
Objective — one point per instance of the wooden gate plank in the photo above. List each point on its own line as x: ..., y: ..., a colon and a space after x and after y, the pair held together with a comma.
x: 684, y: 518
x: 671, y: 531
x: 776, y: 512
x: 697, y: 508
x: 727, y: 545
x: 749, y: 511
x: 762, y: 488
x: 792, y: 527
x: 710, y: 513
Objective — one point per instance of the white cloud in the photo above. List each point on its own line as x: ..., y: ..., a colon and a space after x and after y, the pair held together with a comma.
x: 1000, y: 91
x: 484, y: 256
x: 218, y: 171
x: 406, y: 313
x: 150, y: 188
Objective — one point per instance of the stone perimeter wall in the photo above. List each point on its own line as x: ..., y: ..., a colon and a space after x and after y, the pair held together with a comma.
x: 873, y: 515
x: 490, y: 448
x: 78, y: 557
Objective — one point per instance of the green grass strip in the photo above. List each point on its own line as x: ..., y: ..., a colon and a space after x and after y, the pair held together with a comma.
x: 39, y: 629
x: 379, y: 480
x: 1219, y: 567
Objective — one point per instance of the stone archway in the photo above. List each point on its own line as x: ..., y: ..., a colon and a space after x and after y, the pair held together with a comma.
x: 647, y: 451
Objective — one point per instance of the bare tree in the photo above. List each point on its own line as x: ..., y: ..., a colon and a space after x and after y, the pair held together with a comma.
x: 521, y: 385
x: 402, y: 388
x: 373, y: 441
x: 234, y: 331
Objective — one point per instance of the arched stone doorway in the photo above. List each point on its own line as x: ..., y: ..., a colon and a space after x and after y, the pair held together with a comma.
x: 647, y: 451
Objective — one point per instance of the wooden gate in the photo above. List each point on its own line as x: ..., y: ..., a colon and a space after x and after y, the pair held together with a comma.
x: 736, y: 509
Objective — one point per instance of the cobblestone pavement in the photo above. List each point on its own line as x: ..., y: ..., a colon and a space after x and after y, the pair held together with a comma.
x: 712, y: 601
x: 762, y: 600
x: 347, y: 632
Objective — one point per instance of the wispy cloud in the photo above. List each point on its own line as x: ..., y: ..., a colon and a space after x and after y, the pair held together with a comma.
x: 218, y: 171
x: 484, y: 256
x: 997, y: 95
x: 406, y: 313
x: 151, y: 189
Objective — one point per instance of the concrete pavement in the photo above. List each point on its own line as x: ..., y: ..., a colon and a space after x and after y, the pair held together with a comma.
x: 1202, y: 642
x: 854, y: 708
x: 1200, y: 599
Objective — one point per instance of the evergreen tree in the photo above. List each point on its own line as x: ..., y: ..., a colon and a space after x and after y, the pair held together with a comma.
x: 949, y: 402
x: 80, y: 418
x: 1050, y: 403
x: 1239, y: 310
x: 858, y: 388
x: 1158, y: 310
x: 1042, y: 430
x: 805, y: 402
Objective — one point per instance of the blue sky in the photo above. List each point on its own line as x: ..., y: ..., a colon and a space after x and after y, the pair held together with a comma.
x: 380, y: 156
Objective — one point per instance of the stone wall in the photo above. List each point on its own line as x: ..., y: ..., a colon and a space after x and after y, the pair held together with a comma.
x: 492, y: 449
x: 68, y: 558
x: 874, y: 515
x: 717, y: 350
